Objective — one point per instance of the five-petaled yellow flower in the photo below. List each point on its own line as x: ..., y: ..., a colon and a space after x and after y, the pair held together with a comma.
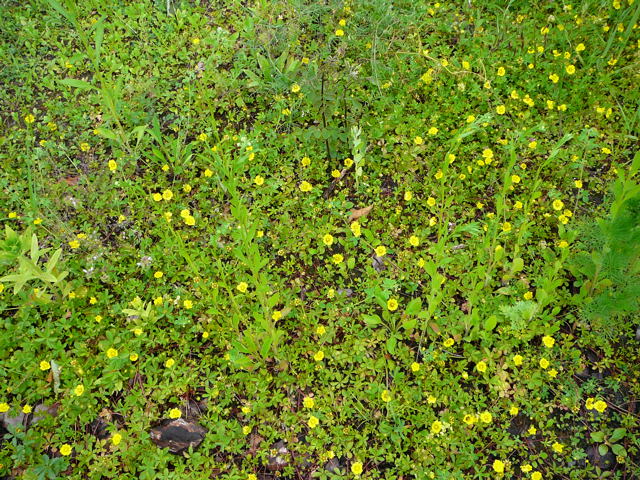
x: 392, y: 304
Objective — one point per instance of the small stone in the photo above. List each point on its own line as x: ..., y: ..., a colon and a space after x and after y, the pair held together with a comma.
x: 177, y: 435
x: 378, y: 263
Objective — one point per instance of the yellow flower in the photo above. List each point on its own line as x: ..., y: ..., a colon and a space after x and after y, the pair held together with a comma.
x: 27, y: 409
x: 544, y: 363
x: 306, y: 161
x: 449, y: 342
x: 133, y: 357
x: 415, y: 367
x: 195, y: 41
x: 557, y: 204
x: 385, y: 396
x: 246, y: 430
x: 242, y: 287
x: 337, y: 258
x: 498, y: 466
x: 381, y: 251
x: 487, y: 153
x: 557, y: 447
x: 506, y: 227
x: 208, y: 173
x: 356, y: 468
x: 175, y: 413
x: 295, y: 88
x: 528, y: 295
x: 481, y: 367
x: 327, y: 239
x: 112, y: 353
x: 318, y: 356
x: 578, y: 183
x: 339, y: 32
x: 167, y: 195
x: 392, y: 304
x: 589, y: 403
x: 157, y: 197
x: 65, y: 450
x: 113, y: 165
x: 320, y: 330
x: 169, y: 363
x: 84, y: 146
x: 408, y: 196
x: 515, y: 178
x: 74, y: 244
x: 486, y: 417
x: 158, y: 274
x: 305, y: 186
x: 79, y: 390
x: 563, y: 244
x: 187, y: 304
x: 470, y: 419
x: 580, y: 47
x: 571, y: 69
x: 157, y: 301
x: 536, y: 476
x: 313, y: 422
x: 431, y: 201
x: 418, y: 141
x: 554, y: 78
x: 29, y: 119
x: 514, y: 410
x: 258, y: 180
x: 116, y: 439
x: 414, y: 241
x: 501, y: 109
x: 501, y: 71
x: 190, y: 220
x: 548, y: 341
x: 342, y: 22
x: 44, y: 365
x: 348, y: 162
x: 600, y: 406
x: 4, y: 407
x: 252, y: 476
x: 436, y: 427
x: 308, y: 402
x: 433, y: 131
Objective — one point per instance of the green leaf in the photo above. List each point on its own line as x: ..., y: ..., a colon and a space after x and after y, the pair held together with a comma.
x: 491, y: 322
x: 53, y: 261
x: 414, y: 306
x: 618, y: 450
x: 75, y: 83
x: 517, y: 265
x: 618, y: 434
x: 603, y: 449
x: 410, y: 324
x: 370, y: 320
x: 391, y: 345
x: 597, y: 437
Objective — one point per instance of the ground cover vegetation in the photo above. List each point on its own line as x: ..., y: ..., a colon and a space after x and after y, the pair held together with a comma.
x: 362, y: 239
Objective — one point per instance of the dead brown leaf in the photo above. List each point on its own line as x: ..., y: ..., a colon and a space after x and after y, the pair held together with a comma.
x: 360, y: 212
